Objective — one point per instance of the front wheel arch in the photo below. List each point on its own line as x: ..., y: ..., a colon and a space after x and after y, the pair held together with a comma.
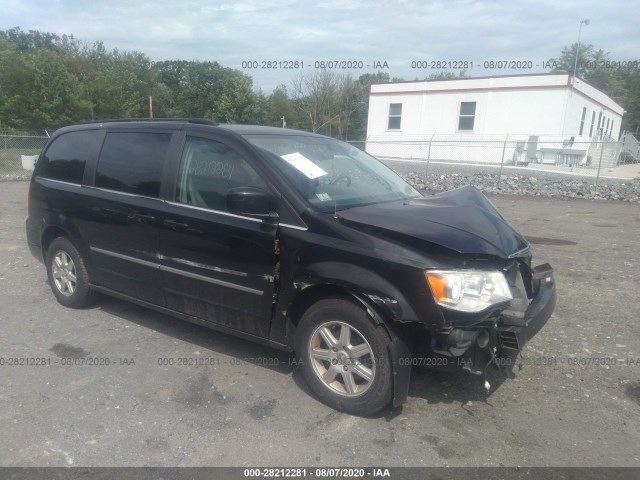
x: 387, y: 382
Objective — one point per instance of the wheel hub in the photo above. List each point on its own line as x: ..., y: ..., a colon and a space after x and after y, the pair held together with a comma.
x: 64, y: 275
x: 342, y: 358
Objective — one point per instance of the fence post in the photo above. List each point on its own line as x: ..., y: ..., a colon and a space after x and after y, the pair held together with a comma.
x: 599, y: 163
x: 428, y: 159
x: 504, y: 149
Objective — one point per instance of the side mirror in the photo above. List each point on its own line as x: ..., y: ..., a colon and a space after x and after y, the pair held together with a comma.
x: 253, y: 202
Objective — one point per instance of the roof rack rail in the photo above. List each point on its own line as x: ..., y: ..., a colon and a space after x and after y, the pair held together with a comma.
x: 202, y: 121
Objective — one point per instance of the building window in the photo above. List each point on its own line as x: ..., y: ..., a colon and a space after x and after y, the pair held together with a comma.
x: 584, y: 114
x: 599, y: 123
x: 607, y: 131
x: 611, y: 128
x: 467, y: 115
x: 395, y: 115
x: 593, y: 123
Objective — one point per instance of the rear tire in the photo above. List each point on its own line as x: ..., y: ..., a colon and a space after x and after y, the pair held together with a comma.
x: 344, y: 357
x: 68, y: 275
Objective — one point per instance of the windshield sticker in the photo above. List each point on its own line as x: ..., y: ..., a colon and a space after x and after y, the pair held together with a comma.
x: 324, y: 197
x: 304, y: 165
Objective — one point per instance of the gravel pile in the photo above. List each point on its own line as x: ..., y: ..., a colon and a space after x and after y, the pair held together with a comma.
x: 528, y: 185
x: 441, y: 178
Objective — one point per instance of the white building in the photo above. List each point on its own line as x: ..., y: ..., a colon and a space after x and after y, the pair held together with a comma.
x: 539, y: 117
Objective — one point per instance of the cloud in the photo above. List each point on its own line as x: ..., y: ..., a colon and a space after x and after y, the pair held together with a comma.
x: 393, y: 31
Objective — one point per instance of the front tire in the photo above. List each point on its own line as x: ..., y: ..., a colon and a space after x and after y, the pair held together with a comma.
x: 68, y: 275
x: 344, y: 357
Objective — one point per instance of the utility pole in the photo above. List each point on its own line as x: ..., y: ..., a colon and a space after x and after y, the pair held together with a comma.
x: 586, y: 21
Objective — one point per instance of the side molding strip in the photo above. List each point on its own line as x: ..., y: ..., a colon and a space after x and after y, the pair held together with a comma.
x: 177, y: 271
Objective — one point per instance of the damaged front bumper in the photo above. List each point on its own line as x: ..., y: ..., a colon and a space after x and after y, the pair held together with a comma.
x: 476, y: 344
x: 516, y: 332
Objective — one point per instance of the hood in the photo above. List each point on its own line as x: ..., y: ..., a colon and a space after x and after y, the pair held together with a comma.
x: 462, y: 220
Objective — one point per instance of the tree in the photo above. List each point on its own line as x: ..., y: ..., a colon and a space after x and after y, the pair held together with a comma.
x: 336, y: 105
x: 38, y: 90
x: 209, y: 90
x: 33, y: 40
x: 350, y: 103
x: 122, y: 84
x: 279, y: 106
x: 47, y: 80
x: 314, y: 94
x: 237, y: 103
x: 587, y: 64
x: 621, y: 84
x: 447, y: 75
x: 359, y: 118
x: 630, y: 99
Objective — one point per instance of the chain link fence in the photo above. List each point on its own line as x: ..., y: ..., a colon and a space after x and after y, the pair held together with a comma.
x: 18, y: 154
x: 511, y: 150
x: 600, y: 167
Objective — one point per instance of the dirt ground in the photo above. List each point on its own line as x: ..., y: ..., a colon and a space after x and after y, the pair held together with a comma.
x: 575, y: 402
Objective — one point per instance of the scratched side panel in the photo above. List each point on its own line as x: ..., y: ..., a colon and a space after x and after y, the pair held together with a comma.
x: 218, y: 268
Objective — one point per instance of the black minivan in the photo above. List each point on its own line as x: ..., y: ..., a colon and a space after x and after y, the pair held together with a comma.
x: 290, y: 239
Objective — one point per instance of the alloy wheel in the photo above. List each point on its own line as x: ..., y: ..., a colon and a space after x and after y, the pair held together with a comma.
x: 342, y: 358
x: 64, y: 273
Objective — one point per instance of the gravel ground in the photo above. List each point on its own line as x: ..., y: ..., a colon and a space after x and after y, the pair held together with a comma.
x: 515, y: 181
x: 12, y: 177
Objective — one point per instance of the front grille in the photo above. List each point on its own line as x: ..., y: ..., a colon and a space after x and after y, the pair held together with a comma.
x: 508, y: 339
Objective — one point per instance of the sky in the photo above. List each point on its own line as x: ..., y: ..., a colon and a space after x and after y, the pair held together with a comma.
x: 380, y: 35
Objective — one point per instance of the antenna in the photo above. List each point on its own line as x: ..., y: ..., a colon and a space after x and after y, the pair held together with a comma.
x: 333, y: 174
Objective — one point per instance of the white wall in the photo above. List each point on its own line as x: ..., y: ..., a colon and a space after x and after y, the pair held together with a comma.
x: 530, y: 112
x: 576, y: 101
x: 543, y: 105
x: 528, y: 104
x: 527, y: 112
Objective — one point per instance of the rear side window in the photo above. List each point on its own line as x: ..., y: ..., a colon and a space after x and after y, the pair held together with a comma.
x: 67, y: 156
x: 132, y: 162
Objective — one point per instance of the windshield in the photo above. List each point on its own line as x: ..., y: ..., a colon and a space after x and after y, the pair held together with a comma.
x: 332, y: 174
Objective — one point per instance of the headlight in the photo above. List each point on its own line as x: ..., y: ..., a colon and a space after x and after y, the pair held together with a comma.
x: 468, y: 290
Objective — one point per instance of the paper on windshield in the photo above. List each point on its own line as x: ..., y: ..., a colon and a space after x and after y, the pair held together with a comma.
x: 304, y: 165
x: 324, y: 197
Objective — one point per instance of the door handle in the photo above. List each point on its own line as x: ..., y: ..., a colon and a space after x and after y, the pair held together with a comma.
x: 108, y: 212
x: 142, y: 217
x: 176, y: 225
